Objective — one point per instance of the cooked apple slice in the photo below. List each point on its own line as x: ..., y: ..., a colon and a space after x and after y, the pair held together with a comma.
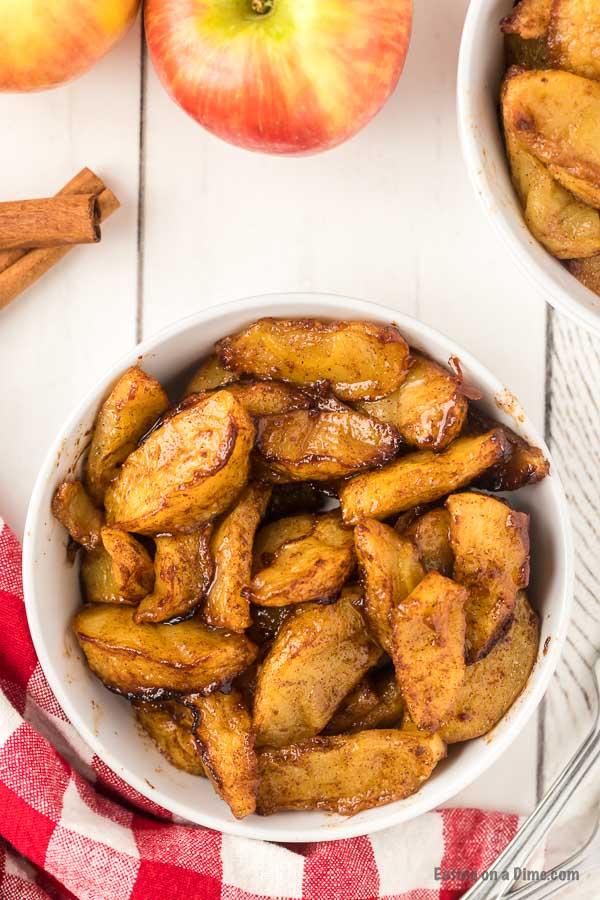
x: 151, y: 661
x: 304, y: 558
x: 315, y: 445
x: 226, y: 605
x: 587, y: 271
x: 132, y: 407
x: 183, y: 568
x: 574, y: 36
x: 559, y: 221
x: 360, y: 360
x: 428, y: 648
x: 74, y: 509
x: 268, y: 398
x: 428, y: 409
x: 99, y: 584
x: 209, y: 376
x: 223, y: 730
x: 347, y: 773
x: 526, y: 34
x: 320, y: 653
x: 376, y: 702
x: 133, y: 570
x: 390, y: 569
x: 492, y: 685
x: 430, y: 533
x: 555, y: 116
x: 491, y: 558
x: 528, y: 18
x: 420, y: 477
x: 523, y: 464
x: 272, y: 537
x: 170, y: 725
x: 187, y: 471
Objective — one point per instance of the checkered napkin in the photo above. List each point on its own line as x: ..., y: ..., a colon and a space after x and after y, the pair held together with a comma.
x: 69, y: 827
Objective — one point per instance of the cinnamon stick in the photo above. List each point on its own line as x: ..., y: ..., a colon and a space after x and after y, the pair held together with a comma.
x: 51, y: 222
x: 85, y: 182
x: 27, y: 270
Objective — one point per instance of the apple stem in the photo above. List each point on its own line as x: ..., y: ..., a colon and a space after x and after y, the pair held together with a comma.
x: 261, y: 7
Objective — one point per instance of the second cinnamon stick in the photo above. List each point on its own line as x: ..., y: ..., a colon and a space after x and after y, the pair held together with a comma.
x: 85, y: 182
x: 51, y: 222
x: 27, y: 270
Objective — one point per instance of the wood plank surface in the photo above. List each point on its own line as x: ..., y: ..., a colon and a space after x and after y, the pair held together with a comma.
x: 573, y: 425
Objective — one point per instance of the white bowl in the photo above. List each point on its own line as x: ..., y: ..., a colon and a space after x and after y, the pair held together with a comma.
x: 105, y: 721
x: 480, y: 71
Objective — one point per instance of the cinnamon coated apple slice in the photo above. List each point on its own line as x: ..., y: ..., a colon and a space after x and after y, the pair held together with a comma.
x: 320, y: 653
x: 574, y: 36
x: 492, y: 685
x: 428, y: 409
x: 185, y: 472
x: 430, y: 533
x: 390, y: 570
x: 227, y: 604
x: 74, y: 508
x: 555, y: 116
x: 347, y: 773
x: 428, y: 648
x: 151, y: 661
x: 300, y: 559
x: 268, y: 398
x: 528, y: 18
x: 132, y: 567
x: 376, y: 702
x: 131, y: 408
x: 316, y: 445
x: 564, y: 225
x: 490, y: 542
x: 223, y: 730
x: 183, y: 569
x: 360, y: 360
x: 208, y: 376
x: 170, y: 725
x: 420, y: 477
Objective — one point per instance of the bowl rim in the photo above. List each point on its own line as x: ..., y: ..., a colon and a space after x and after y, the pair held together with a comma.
x: 581, y: 304
x: 521, y: 712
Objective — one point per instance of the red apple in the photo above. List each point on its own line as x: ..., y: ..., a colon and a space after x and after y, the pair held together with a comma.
x: 44, y: 43
x: 281, y: 76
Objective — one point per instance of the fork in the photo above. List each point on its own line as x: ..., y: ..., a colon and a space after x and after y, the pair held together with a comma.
x: 535, y: 828
x: 584, y: 860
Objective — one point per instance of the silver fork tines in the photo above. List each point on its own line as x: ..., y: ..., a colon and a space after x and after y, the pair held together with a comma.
x: 534, y: 829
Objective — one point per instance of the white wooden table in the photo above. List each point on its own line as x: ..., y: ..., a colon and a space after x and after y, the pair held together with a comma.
x: 389, y: 217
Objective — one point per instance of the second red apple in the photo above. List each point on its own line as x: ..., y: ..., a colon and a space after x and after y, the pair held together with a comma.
x: 279, y: 76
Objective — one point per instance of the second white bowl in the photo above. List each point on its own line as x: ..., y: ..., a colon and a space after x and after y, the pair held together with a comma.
x: 480, y: 71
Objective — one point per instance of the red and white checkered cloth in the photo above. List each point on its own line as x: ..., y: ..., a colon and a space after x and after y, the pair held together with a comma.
x: 69, y: 827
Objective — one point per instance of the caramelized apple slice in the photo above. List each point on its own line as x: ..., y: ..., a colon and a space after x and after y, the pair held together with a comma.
x: 420, y: 477
x: 151, y: 661
x: 320, y: 653
x: 390, y: 569
x: 132, y: 407
x: 361, y: 360
x: 428, y: 649
x: 347, y: 773
x: 187, y: 471
x: 491, y: 558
